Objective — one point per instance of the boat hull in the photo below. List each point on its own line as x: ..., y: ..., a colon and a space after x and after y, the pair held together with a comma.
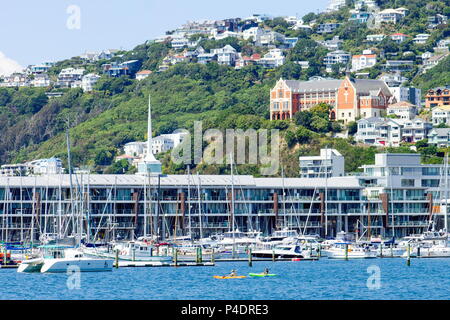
x: 84, y: 265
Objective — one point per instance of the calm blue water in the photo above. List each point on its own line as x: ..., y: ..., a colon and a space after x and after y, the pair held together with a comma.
x: 324, y: 279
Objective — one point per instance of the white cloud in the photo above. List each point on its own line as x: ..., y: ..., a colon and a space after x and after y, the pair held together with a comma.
x: 8, y: 66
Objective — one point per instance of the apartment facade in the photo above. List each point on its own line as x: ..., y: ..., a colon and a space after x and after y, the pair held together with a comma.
x: 440, y: 115
x: 398, y: 194
x: 329, y: 164
x: 437, y: 97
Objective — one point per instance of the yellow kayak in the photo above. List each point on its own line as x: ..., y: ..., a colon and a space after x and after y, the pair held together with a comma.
x: 228, y: 277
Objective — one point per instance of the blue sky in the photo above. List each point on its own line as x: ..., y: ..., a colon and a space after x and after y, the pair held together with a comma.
x: 33, y: 31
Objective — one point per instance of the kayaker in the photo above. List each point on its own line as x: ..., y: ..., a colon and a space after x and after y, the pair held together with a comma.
x: 266, y: 271
x: 233, y: 273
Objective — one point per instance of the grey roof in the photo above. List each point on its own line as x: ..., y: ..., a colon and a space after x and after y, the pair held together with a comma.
x: 100, y: 180
x: 440, y: 131
x: 368, y: 87
x: 302, y: 86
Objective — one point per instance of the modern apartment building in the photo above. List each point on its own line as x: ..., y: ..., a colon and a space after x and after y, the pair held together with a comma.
x: 398, y: 194
x: 329, y: 164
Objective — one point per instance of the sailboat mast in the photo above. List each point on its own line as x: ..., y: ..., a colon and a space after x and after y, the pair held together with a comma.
x: 446, y: 194
x: 189, y: 200
x: 200, y: 206
x: 232, y: 206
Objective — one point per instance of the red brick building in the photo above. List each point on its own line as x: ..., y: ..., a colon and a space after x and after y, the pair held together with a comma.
x: 350, y: 98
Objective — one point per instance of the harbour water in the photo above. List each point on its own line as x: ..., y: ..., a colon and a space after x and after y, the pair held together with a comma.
x: 305, y: 280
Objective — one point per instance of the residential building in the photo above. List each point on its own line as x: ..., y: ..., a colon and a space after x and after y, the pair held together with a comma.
x: 329, y: 164
x: 41, y: 80
x: 161, y: 144
x: 273, y: 59
x: 15, y: 80
x: 333, y: 44
x: 379, y: 132
x: 327, y: 27
x: 141, y: 75
x: 359, y: 16
x: 134, y: 148
x: 410, y: 94
x: 269, y: 37
x: 336, y: 57
x: 226, y: 55
x: 253, y: 33
x: 393, y: 79
x: 421, y: 38
x: 204, y: 58
x: 433, y: 61
x: 375, y: 37
x: 403, y: 110
x: 399, y: 65
x: 437, y: 97
x: 389, y: 16
x: 88, y: 81
x: 126, y: 68
x: 441, y: 115
x: 45, y: 166
x: 350, y: 98
x: 362, y: 61
x: 391, y: 132
x: 335, y: 5
x: 70, y: 78
x: 439, y: 137
x: 368, y: 4
x: 436, y: 20
x: 40, y: 68
x: 399, y: 37
x: 402, y: 194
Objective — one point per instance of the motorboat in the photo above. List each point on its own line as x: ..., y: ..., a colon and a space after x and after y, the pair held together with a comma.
x: 283, y: 251
x: 76, y: 259
x: 131, y: 251
x: 349, y: 251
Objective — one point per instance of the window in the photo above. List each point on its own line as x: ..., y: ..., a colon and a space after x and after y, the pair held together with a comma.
x: 430, y: 183
x: 407, y: 182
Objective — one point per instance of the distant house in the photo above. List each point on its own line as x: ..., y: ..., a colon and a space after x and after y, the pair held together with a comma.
x: 88, y: 81
x: 399, y: 37
x: 393, y: 79
x: 433, y: 61
x: 399, y: 65
x: 439, y: 137
x: 421, y: 38
x: 375, y: 37
x: 252, y: 33
x: 359, y: 16
x: 362, y: 61
x: 15, y: 80
x: 333, y: 44
x: 440, y: 115
x: 226, y: 55
x: 41, y: 80
x: 403, y: 110
x: 437, y: 97
x: 410, y: 94
x: 274, y: 58
x: 390, y: 16
x: 70, y: 78
x: 327, y: 27
x: 127, y: 68
x: 436, y: 20
x: 269, y: 37
x: 143, y: 74
x: 336, y: 57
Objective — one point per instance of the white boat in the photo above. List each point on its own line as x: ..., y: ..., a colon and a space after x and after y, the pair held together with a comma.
x: 131, y: 251
x: 76, y: 258
x: 31, y: 265
x: 283, y: 251
x: 338, y: 251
